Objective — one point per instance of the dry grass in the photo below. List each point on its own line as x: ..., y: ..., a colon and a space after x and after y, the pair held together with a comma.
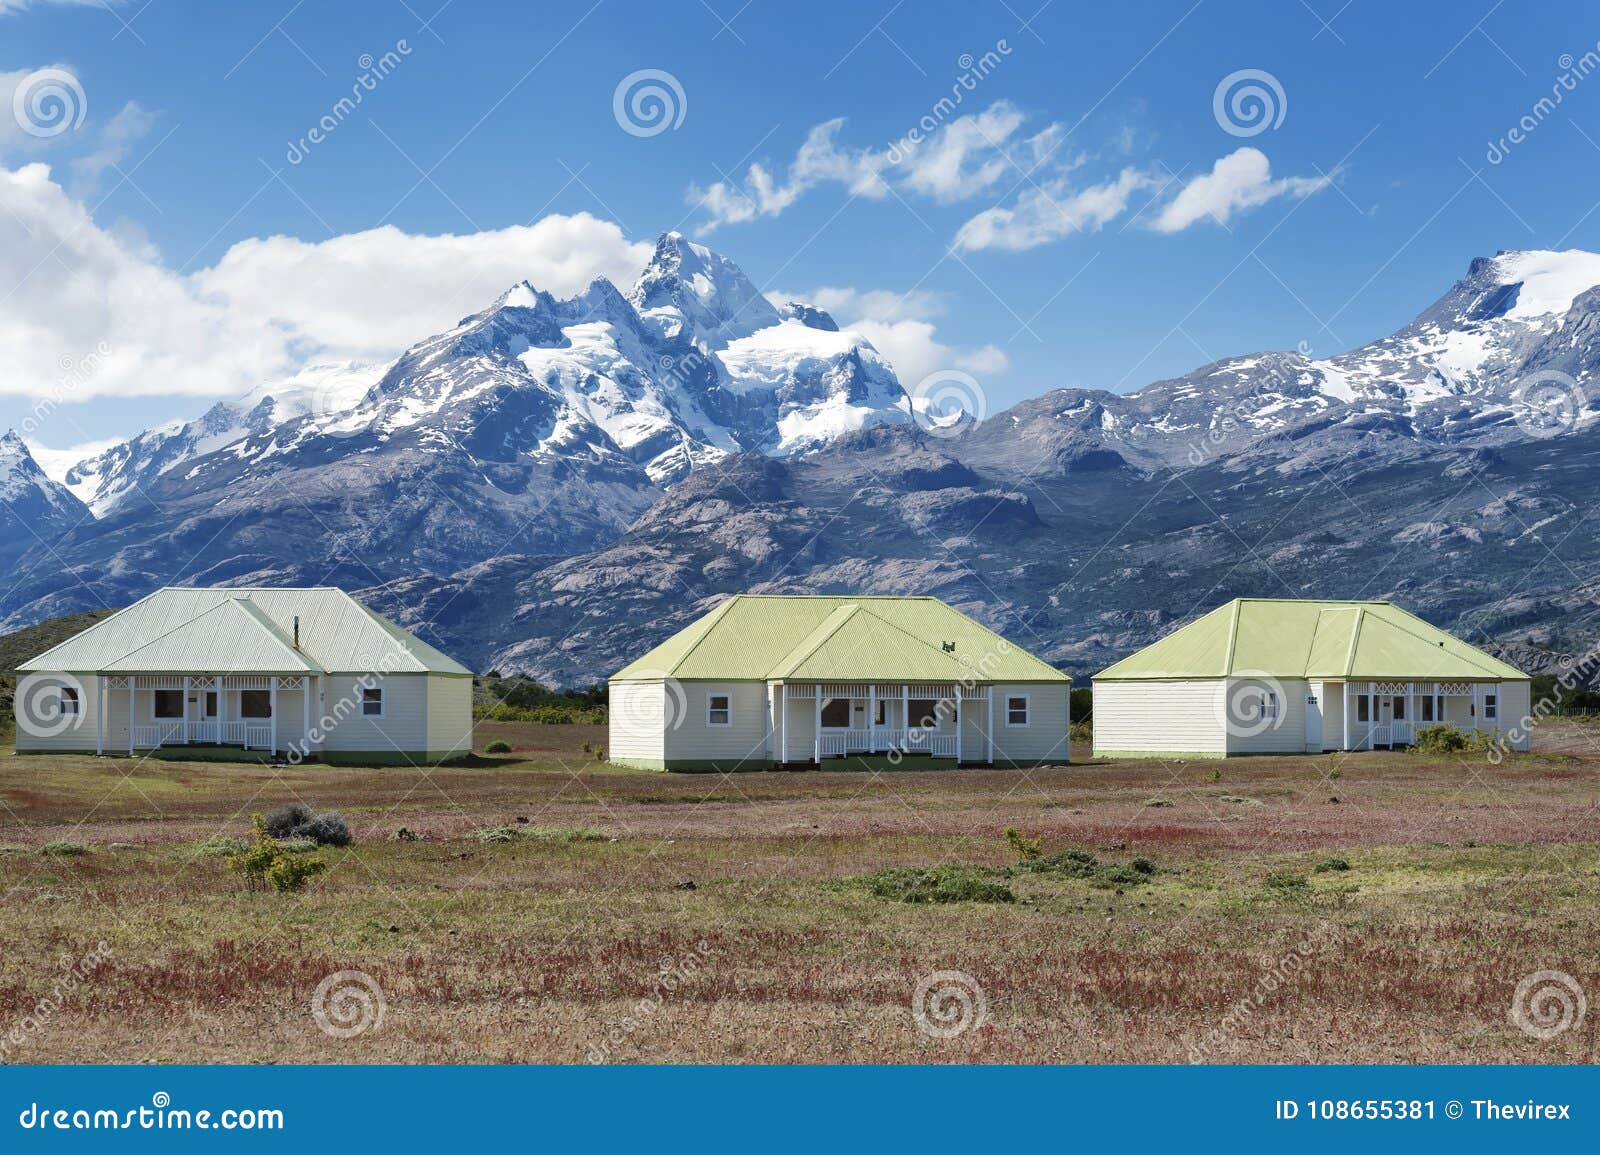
x: 1465, y: 877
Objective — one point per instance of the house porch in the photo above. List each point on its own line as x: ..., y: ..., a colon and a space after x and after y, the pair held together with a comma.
x: 816, y: 720
x: 1388, y: 714
x: 251, y: 711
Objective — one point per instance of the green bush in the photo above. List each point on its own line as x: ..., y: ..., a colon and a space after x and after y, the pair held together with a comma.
x: 940, y: 884
x: 265, y: 862
x: 1025, y: 847
x: 1332, y: 864
x: 1446, y: 739
x: 1082, y: 865
x: 1158, y: 802
x: 501, y: 834
x: 497, y: 747
x: 63, y: 849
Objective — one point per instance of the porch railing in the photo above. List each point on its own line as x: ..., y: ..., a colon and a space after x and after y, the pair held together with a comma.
x: 151, y: 737
x: 249, y: 735
x: 916, y: 740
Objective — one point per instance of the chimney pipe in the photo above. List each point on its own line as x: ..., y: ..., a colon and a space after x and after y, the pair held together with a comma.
x: 297, y: 631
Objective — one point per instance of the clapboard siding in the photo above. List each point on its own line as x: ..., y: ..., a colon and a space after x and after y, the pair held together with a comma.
x: 403, y: 727
x: 1159, y: 717
x: 690, y: 738
x: 1248, y: 734
x: 1044, y: 738
x: 637, y: 733
x: 449, y: 715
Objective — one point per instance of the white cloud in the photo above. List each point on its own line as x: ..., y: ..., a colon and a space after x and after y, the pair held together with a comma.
x: 7, y: 7
x: 82, y: 302
x: 819, y: 160
x: 57, y: 462
x: 899, y: 327
x: 120, y: 134
x: 1241, y: 180
x: 1050, y: 212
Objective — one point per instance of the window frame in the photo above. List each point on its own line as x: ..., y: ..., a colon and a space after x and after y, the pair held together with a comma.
x: 266, y: 699
x: 382, y: 701
x: 1267, y: 706
x: 1027, y: 711
x: 713, y: 693
x: 1491, y: 707
x: 69, y: 703
x: 156, y: 699
x: 1397, y: 711
x: 849, y: 713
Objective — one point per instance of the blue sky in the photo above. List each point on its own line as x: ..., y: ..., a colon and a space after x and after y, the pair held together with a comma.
x: 1083, y: 217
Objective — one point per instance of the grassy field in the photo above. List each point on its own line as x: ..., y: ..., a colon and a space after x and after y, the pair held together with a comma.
x: 647, y: 917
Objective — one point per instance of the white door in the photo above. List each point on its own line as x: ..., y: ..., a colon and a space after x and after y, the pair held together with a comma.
x: 1313, y: 721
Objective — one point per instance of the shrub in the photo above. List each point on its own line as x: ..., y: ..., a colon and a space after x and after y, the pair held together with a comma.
x: 1158, y: 802
x: 1082, y: 865
x: 297, y: 821
x: 327, y: 830
x: 1239, y: 800
x: 217, y: 846
x: 1288, y: 882
x: 940, y: 884
x: 497, y: 747
x: 1446, y: 739
x: 1026, y: 848
x: 63, y: 849
x: 285, y: 821
x: 266, y: 862
x: 1332, y: 864
x: 500, y: 834
x: 1143, y: 865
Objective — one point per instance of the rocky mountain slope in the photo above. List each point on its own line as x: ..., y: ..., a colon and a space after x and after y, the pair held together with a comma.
x: 554, y: 485
x: 34, y: 510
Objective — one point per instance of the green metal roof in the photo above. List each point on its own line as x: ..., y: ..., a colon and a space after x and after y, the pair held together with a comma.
x: 759, y: 637
x: 1310, y: 639
x: 245, y: 631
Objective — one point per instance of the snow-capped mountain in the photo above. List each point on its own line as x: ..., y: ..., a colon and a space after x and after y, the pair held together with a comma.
x: 34, y: 510
x: 1511, y: 352
x: 106, y: 480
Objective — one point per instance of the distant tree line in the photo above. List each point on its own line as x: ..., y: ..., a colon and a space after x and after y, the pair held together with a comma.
x: 520, y: 699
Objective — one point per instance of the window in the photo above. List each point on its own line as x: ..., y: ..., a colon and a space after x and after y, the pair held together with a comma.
x: 836, y: 713
x: 883, y: 714
x: 1268, y: 706
x: 1399, y: 709
x: 372, y: 701
x: 68, y: 702
x: 719, y: 709
x: 1363, y: 705
x: 930, y: 713
x: 1425, y: 709
x: 211, y: 703
x: 1491, y: 707
x: 1017, y: 710
x: 255, y: 703
x: 169, y: 704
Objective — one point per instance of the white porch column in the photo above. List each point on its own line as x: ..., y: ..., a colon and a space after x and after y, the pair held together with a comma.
x: 305, y: 715
x: 816, y: 735
x: 1477, y: 709
x: 988, y: 720
x: 1344, y: 718
x: 222, y: 709
x: 1411, y: 708
x: 905, y: 717
x: 186, y: 709
x: 960, y: 722
x: 99, y: 713
x: 132, y: 678
x: 783, y: 722
x: 872, y: 717
x: 1372, y: 715
x: 272, y: 708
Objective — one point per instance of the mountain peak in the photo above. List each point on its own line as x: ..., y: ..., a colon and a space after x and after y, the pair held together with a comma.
x: 12, y: 443
x: 691, y: 291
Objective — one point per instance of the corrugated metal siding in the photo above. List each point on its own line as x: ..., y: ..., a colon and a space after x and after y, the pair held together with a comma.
x: 449, y: 715
x: 336, y: 632
x: 636, y: 733
x: 1152, y: 717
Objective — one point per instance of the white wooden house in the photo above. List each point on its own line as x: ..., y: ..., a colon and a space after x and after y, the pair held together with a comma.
x: 311, y: 673
x: 1262, y: 675
x: 773, y: 680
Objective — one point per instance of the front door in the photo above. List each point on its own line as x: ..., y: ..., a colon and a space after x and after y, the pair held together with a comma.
x: 1313, y: 722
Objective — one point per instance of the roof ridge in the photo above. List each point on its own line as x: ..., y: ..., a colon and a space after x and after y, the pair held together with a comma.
x: 710, y: 620
x: 113, y: 616
x: 239, y: 605
x: 1472, y: 658
x: 850, y: 610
